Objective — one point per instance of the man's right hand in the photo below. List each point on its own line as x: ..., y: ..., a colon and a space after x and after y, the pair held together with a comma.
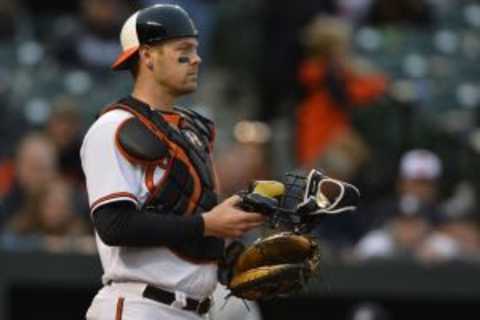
x: 226, y: 220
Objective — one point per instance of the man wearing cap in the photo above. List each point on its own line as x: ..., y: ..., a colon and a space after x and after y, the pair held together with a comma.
x: 420, y: 170
x: 151, y: 183
x: 418, y: 179
x: 413, y: 207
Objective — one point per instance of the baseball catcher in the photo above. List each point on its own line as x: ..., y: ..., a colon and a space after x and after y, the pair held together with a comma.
x: 282, y: 263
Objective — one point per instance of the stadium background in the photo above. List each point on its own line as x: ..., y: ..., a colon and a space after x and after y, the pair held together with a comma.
x: 55, y: 77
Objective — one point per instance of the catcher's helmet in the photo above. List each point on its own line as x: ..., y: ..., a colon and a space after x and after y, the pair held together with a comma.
x: 152, y: 25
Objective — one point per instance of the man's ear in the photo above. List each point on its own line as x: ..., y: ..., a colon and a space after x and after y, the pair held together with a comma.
x: 146, y: 56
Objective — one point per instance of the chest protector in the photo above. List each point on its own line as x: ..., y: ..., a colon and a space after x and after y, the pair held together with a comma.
x: 180, y: 142
x: 148, y: 139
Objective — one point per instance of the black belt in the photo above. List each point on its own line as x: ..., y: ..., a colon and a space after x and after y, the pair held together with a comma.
x: 166, y: 297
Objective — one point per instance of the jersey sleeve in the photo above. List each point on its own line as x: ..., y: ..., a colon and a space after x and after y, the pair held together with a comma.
x: 109, y: 175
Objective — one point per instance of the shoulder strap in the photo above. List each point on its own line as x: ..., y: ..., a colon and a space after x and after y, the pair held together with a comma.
x: 201, y: 123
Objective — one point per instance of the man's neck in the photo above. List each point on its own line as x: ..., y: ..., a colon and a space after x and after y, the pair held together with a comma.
x: 154, y: 96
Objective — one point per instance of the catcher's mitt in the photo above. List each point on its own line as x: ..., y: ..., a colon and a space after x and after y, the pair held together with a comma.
x: 274, y: 266
x: 281, y: 264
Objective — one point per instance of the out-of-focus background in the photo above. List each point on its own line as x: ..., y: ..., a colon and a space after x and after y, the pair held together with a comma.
x: 382, y: 93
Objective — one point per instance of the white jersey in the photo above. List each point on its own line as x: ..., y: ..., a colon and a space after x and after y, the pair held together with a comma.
x: 111, y: 177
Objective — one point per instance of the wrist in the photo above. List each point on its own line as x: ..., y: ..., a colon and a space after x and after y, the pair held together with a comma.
x: 206, y: 230
x: 198, y: 225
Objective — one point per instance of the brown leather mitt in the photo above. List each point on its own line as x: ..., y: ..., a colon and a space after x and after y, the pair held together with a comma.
x: 277, y: 265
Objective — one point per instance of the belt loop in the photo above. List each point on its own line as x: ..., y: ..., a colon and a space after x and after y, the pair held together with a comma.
x: 180, y: 300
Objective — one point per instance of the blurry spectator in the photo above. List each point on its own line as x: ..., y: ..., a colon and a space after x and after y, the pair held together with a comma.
x: 64, y: 129
x: 405, y: 12
x: 239, y: 165
x: 281, y: 51
x: 420, y: 170
x: 451, y: 234
x: 399, y: 225
x: 333, y: 86
x: 94, y: 44
x: 418, y: 182
x: 35, y: 165
x: 48, y: 221
x: 246, y: 159
x: 400, y: 237
x: 455, y: 237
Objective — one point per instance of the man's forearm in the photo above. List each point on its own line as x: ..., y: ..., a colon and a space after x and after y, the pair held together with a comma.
x: 122, y: 224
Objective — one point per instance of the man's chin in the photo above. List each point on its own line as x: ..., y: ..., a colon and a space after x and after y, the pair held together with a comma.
x: 186, y: 90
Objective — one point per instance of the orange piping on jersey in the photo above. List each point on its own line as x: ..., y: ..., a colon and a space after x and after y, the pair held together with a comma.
x: 119, y: 308
x: 149, y: 178
x: 113, y: 196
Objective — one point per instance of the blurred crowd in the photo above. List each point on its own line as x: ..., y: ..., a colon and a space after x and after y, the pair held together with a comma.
x: 379, y: 93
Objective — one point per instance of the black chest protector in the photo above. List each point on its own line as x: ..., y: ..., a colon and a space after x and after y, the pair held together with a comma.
x: 188, y: 186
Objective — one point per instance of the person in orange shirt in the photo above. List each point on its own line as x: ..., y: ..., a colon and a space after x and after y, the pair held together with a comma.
x: 332, y: 86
